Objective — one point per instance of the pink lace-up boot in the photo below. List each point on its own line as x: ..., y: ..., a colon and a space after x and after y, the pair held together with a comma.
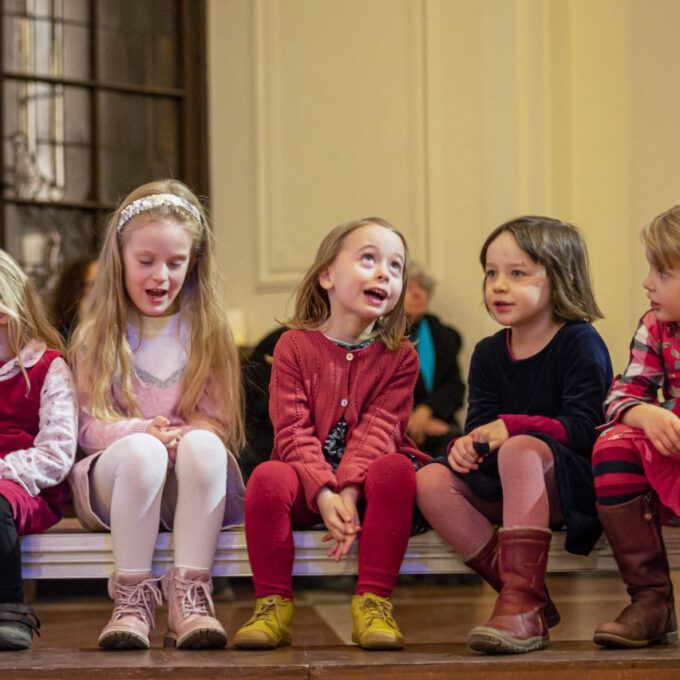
x: 136, y: 597
x: 191, y: 612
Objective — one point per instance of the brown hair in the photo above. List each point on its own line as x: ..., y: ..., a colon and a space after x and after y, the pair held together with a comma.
x: 661, y: 238
x: 560, y: 248
x: 312, y: 306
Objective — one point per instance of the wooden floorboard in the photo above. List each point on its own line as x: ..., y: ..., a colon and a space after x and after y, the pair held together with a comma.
x: 435, y: 615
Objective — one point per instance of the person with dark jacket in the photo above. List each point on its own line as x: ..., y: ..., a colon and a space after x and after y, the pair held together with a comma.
x: 440, y: 390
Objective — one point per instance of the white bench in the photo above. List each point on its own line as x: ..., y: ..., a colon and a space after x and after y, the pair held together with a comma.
x: 67, y: 551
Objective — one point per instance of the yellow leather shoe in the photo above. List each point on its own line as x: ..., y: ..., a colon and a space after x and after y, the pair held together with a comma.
x: 374, y: 626
x: 269, y: 626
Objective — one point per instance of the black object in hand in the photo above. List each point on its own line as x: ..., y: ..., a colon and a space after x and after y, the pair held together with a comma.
x: 481, y: 448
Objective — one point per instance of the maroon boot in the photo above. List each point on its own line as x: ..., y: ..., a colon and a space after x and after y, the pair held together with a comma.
x: 485, y: 564
x: 518, y: 622
x: 634, y: 534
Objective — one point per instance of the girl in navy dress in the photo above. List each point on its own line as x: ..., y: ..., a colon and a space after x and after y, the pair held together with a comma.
x: 536, y: 390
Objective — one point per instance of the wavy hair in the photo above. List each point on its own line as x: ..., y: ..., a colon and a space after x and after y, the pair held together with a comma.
x: 312, y: 306
x: 28, y: 320
x: 661, y: 238
x: 561, y: 249
x: 100, y: 349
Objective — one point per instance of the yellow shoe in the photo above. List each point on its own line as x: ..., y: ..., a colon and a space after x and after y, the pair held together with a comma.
x: 374, y: 627
x: 269, y: 626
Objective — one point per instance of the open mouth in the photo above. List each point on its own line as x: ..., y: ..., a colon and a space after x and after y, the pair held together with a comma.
x: 156, y: 293
x: 376, y: 294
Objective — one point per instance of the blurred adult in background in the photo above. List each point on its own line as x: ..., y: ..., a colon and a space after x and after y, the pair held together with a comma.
x: 440, y: 390
x: 71, y: 292
x: 257, y: 372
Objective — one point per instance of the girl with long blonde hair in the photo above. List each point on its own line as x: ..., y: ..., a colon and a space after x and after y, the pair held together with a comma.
x: 157, y: 373
x: 38, y: 435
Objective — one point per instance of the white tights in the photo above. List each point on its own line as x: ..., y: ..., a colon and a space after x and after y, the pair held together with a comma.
x: 132, y: 490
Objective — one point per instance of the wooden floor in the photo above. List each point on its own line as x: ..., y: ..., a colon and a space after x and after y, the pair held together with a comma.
x: 434, y: 614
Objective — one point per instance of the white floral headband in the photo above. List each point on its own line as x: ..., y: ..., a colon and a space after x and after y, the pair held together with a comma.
x: 157, y: 201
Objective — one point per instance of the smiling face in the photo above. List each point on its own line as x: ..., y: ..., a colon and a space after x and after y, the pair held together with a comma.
x: 517, y: 290
x: 156, y: 259
x: 364, y: 281
x: 663, y: 291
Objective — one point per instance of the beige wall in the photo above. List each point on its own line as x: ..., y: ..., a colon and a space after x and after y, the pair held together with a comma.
x: 446, y: 117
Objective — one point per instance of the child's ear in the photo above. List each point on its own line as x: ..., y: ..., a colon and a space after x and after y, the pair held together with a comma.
x: 4, y: 319
x: 325, y: 279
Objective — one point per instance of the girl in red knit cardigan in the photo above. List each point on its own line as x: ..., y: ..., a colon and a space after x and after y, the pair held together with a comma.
x: 340, y: 396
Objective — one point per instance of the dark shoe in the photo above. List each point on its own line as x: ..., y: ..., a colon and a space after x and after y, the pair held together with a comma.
x: 17, y: 624
x: 634, y: 534
x: 518, y: 623
x: 485, y: 563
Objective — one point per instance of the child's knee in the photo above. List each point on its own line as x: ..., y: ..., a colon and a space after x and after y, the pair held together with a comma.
x: 202, y: 451
x: 272, y: 479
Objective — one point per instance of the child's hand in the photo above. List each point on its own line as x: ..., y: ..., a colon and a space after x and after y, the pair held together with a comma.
x: 661, y: 426
x: 336, y: 517
x: 350, y: 496
x: 462, y: 457
x: 494, y: 434
x: 170, y: 436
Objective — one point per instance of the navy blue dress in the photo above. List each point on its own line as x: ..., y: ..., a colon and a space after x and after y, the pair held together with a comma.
x: 567, y: 380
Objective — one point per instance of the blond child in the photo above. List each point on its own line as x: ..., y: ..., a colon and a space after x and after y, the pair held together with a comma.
x: 38, y: 433
x: 157, y: 374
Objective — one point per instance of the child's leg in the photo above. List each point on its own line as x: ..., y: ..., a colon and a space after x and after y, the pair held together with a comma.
x: 274, y: 501
x: 127, y: 483
x: 17, y: 621
x: 11, y: 583
x: 527, y: 470
x: 454, y: 512
x: 628, y: 511
x: 197, y: 497
x: 460, y: 518
x: 389, y: 489
x: 518, y: 622
x: 195, y: 506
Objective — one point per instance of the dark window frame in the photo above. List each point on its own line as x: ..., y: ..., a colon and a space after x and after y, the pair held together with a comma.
x: 192, y: 142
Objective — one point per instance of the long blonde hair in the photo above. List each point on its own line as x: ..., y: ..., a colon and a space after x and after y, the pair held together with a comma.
x: 20, y: 301
x: 312, y: 306
x: 100, y: 349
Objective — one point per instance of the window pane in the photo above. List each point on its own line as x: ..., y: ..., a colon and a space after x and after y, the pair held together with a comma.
x: 139, y: 141
x: 137, y: 42
x: 45, y: 44
x: 47, y: 141
x: 42, y: 239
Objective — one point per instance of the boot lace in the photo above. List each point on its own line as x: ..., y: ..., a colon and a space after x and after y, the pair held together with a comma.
x: 267, y: 613
x: 194, y: 597
x: 138, y: 600
x: 378, y: 610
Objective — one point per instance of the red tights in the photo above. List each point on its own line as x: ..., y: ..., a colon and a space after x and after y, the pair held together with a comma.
x: 275, y: 503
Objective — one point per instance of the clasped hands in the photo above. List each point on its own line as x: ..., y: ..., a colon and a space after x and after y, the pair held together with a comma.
x: 169, y: 436
x: 341, y: 518
x: 463, y: 457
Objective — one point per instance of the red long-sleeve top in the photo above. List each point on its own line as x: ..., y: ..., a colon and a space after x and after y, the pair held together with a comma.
x: 315, y: 383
